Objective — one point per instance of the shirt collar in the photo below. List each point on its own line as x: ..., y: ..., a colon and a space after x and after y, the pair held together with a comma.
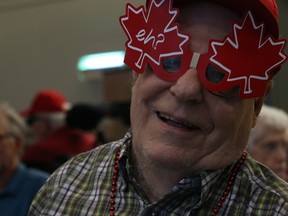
x: 205, y: 180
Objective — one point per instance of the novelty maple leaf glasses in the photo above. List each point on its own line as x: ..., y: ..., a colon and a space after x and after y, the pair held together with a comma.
x: 241, y: 64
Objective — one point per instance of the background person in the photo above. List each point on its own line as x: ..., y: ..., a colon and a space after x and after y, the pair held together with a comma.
x: 46, y: 113
x: 18, y: 184
x: 190, y: 120
x: 86, y: 118
x: 55, y: 141
x: 268, y: 140
x: 115, y: 122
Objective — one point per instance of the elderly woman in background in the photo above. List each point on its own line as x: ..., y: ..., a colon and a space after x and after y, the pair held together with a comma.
x: 18, y: 184
x: 269, y: 139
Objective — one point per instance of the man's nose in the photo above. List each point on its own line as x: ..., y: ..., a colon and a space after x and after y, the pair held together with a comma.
x: 188, y: 87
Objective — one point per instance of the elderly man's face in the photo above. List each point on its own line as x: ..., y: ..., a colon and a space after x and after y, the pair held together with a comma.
x: 270, y: 149
x: 180, y: 125
x: 10, y: 148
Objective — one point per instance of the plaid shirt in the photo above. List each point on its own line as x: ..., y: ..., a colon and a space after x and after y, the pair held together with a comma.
x: 82, y: 187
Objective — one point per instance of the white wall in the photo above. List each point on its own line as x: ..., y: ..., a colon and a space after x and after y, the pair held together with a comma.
x: 41, y: 43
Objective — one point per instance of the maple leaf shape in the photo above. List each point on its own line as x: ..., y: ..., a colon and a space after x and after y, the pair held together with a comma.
x: 249, y: 58
x: 152, y: 34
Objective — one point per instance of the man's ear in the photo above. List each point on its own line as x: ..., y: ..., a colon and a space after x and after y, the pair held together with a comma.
x: 134, y: 77
x: 258, y: 102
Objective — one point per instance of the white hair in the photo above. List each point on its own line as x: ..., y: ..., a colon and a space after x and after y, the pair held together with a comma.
x: 17, y: 124
x: 269, y: 116
x: 55, y: 119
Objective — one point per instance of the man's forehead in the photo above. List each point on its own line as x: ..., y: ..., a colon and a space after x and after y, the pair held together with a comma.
x: 211, y: 13
x: 202, y: 28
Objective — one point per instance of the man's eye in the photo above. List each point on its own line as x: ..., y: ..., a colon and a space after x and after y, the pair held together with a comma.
x: 171, y: 65
x: 231, y: 93
x: 214, y: 75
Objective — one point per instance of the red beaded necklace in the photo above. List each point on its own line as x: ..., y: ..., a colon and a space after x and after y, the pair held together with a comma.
x: 216, y: 208
x: 114, y: 184
x: 230, y: 183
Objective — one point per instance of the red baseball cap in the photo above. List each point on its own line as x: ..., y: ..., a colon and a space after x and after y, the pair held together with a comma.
x: 265, y: 11
x: 47, y: 101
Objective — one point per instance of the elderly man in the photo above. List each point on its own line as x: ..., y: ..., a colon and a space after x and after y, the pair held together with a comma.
x: 198, y: 87
x: 268, y: 140
x: 18, y: 184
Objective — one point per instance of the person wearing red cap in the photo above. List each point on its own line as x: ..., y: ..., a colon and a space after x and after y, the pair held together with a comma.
x: 54, y: 141
x: 46, y: 113
x: 201, y: 71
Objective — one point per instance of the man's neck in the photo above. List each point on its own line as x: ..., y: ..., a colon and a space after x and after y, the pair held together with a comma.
x: 154, y: 181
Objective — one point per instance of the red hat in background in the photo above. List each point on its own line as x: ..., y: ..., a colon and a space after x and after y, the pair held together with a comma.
x: 47, y: 101
x: 265, y: 11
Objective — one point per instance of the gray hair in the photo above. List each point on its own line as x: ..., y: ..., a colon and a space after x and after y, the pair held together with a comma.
x: 56, y: 119
x: 17, y: 124
x: 269, y: 116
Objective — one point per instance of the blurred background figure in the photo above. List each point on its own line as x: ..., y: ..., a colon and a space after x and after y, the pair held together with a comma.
x: 86, y: 118
x: 116, y: 121
x: 54, y: 140
x: 18, y: 184
x: 46, y: 114
x: 269, y: 140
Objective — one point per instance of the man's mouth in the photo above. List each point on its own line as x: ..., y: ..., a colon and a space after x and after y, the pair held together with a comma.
x: 176, y: 123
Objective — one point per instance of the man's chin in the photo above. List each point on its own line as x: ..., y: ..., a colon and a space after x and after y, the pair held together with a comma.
x: 171, y: 159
